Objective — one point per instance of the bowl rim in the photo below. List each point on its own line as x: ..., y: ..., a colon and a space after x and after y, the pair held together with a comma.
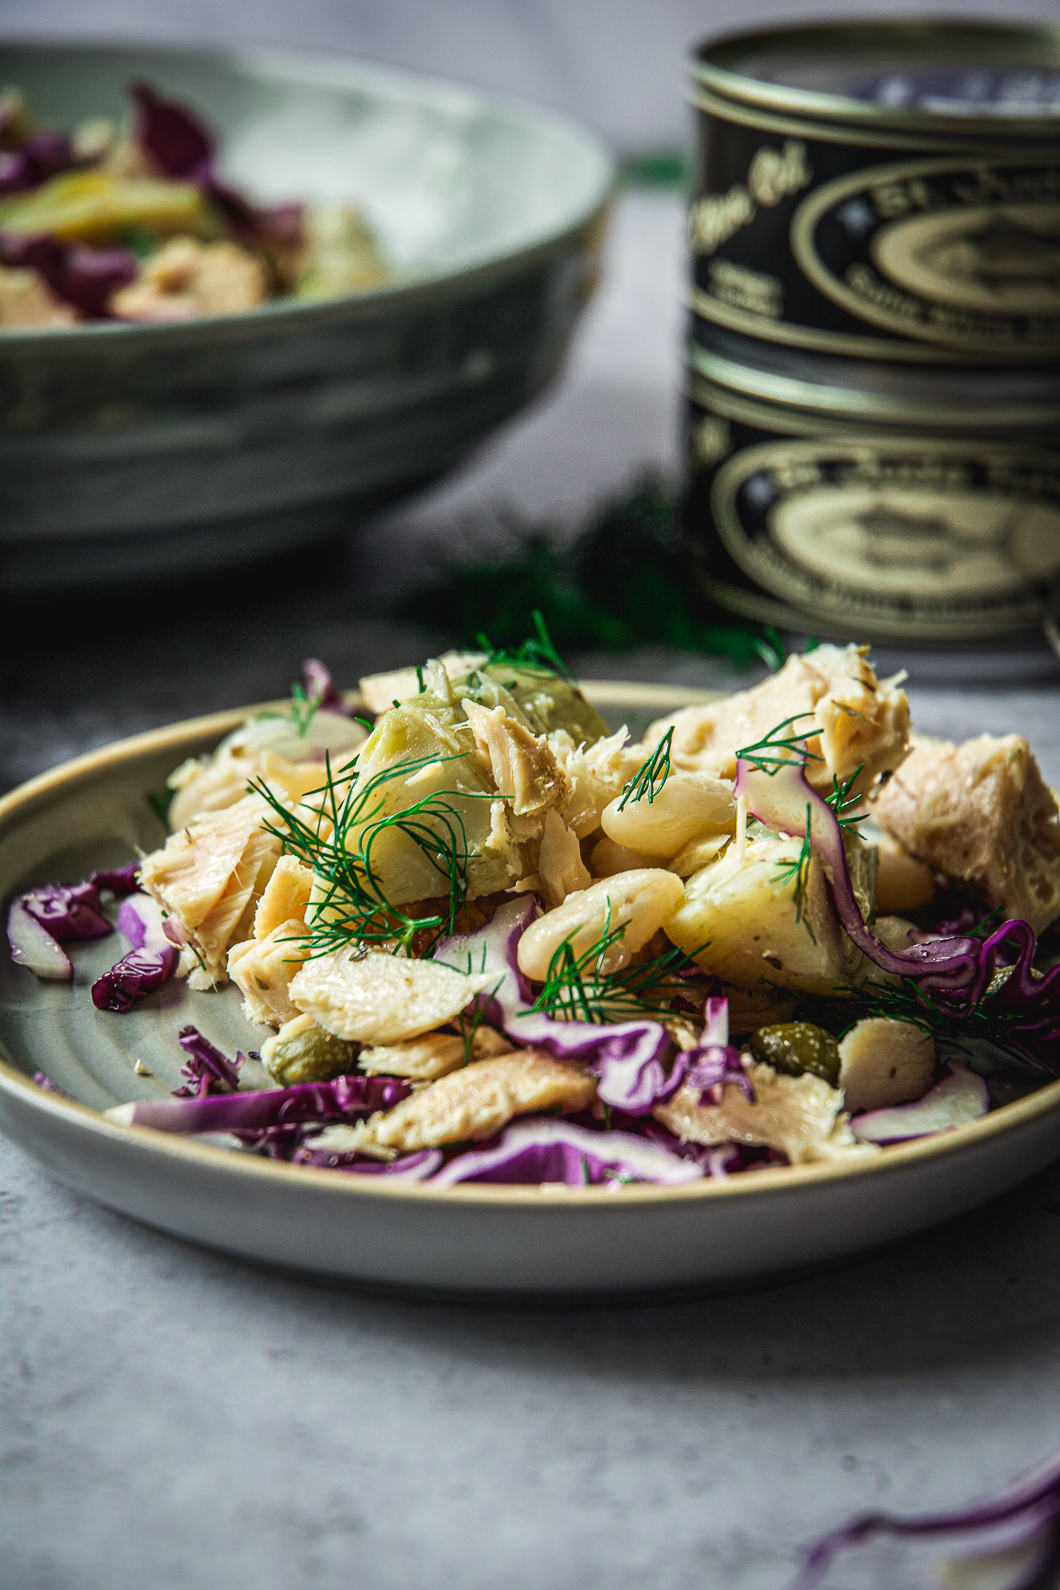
x: 280, y: 312
x: 21, y: 1089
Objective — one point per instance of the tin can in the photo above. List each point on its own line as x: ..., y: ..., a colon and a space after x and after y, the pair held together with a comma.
x: 884, y: 190
x: 854, y: 512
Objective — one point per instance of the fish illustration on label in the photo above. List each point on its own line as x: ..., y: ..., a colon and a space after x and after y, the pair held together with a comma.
x: 960, y: 252
x: 898, y: 532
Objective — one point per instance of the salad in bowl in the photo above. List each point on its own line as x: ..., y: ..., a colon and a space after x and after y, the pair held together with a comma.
x: 130, y: 220
x: 479, y: 937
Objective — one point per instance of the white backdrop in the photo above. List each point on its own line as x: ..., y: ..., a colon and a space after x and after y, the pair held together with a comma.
x: 618, y: 64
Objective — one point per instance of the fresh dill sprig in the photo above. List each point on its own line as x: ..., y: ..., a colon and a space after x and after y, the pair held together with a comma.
x: 776, y: 750
x: 799, y: 869
x: 303, y: 709
x: 651, y: 775
x: 469, y: 1025
x: 538, y: 652
x: 909, y: 1003
x: 841, y: 799
x: 160, y: 801
x: 352, y: 907
x: 771, y: 648
x: 578, y: 989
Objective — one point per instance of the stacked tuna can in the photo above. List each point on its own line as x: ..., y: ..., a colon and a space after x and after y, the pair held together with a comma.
x: 874, y: 360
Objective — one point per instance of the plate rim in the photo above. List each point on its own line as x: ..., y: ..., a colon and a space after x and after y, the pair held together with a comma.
x: 23, y: 1090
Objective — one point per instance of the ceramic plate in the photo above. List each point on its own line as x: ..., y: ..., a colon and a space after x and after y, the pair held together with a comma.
x: 473, y: 1239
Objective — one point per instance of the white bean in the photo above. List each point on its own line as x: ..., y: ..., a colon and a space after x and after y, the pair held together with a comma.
x: 687, y: 805
x: 638, y: 902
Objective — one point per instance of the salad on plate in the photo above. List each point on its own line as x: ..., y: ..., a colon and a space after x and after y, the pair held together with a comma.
x: 480, y: 937
x: 132, y: 221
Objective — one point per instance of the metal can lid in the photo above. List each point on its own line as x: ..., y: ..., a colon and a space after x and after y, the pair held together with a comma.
x: 855, y: 395
x: 948, y: 77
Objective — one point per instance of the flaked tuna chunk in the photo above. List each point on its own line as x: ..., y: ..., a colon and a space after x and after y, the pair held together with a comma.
x: 980, y: 813
x: 593, y: 775
x: 263, y: 968
x: 210, y: 876
x: 477, y: 1101
x: 382, y: 999
x: 523, y: 767
x: 851, y: 719
x: 285, y: 898
x: 799, y: 1116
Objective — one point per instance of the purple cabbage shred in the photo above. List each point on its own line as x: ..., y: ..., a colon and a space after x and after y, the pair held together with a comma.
x: 1033, y: 1504
x: 534, y: 1150
x: 320, y: 687
x: 207, y: 1070
x: 136, y: 974
x: 120, y: 881
x: 346, y: 1098
x: 43, y: 1080
x: 67, y: 911
x: 151, y: 961
x: 78, y: 274
x: 409, y: 1167
x: 182, y: 147
x: 39, y: 157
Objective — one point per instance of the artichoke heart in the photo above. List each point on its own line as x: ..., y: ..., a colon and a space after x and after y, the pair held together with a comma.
x: 447, y: 791
x: 99, y: 207
x: 765, y: 917
x: 535, y: 697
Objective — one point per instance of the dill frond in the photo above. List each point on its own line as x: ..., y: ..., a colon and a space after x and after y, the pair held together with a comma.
x: 538, y: 652
x: 651, y: 775
x: 799, y: 869
x: 353, y: 907
x: 775, y: 750
x: 578, y: 989
x: 909, y: 1003
x: 841, y: 799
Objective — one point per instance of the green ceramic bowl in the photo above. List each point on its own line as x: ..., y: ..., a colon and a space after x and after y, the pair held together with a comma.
x: 154, y: 448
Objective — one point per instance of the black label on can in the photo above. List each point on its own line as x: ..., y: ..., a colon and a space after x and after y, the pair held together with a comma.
x: 806, y: 239
x: 875, y: 535
x: 950, y: 251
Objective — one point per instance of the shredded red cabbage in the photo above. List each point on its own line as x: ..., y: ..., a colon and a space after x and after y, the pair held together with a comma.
x: 150, y: 963
x: 626, y: 1056
x: 39, y: 157
x: 207, y: 1069
x: 410, y: 1167
x: 81, y: 276
x: 43, y: 1080
x: 1035, y: 1503
x: 959, y: 1096
x: 67, y: 911
x: 548, y: 1150
x: 176, y: 140
x: 320, y: 687
x: 136, y: 974
x: 346, y: 1098
x: 119, y: 880
x: 182, y: 147
x: 956, y: 972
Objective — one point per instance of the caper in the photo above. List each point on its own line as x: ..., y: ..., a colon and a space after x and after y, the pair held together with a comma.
x: 798, y: 1047
x: 312, y: 1055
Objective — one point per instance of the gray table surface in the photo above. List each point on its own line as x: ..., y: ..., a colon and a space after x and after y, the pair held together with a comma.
x: 173, y: 1418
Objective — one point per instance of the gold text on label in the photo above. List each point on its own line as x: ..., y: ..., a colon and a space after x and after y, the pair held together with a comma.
x: 773, y: 175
